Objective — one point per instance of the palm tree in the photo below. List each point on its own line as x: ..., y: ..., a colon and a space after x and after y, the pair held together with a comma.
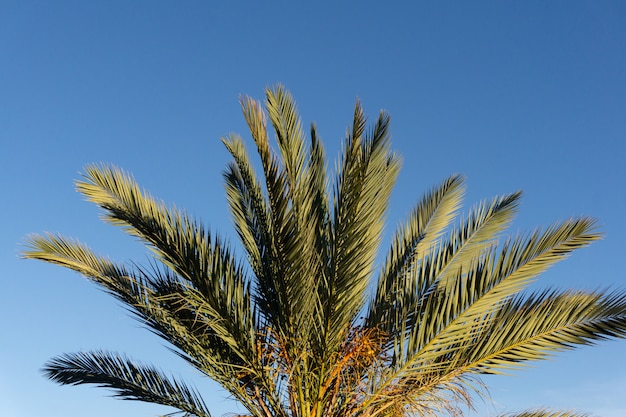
x: 308, y: 326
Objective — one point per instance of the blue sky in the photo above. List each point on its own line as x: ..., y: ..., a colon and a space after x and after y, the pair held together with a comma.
x: 515, y: 95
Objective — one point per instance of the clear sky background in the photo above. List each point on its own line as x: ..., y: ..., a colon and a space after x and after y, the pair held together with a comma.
x: 515, y: 95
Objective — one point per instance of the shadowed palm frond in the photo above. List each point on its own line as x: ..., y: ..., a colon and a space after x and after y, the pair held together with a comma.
x: 129, y: 380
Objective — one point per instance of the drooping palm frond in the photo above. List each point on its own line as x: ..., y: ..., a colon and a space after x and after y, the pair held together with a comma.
x: 284, y: 333
x: 174, y: 310
x: 534, y: 327
x: 128, y: 379
x: 182, y: 244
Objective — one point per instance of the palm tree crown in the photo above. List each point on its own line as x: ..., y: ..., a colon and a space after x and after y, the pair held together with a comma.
x: 308, y: 326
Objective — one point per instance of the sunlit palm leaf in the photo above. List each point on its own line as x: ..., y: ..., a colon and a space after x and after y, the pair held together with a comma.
x: 395, y: 297
x: 534, y: 327
x: 368, y: 173
x: 180, y: 243
x: 491, y: 281
x: 205, y: 341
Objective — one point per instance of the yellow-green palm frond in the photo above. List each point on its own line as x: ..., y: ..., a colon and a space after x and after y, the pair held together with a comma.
x: 287, y: 236
x: 534, y: 327
x: 441, y: 321
x: 475, y: 236
x: 457, y: 315
x: 367, y: 175
x: 254, y: 221
x: 74, y: 255
x: 156, y: 299
x: 247, y: 204
x: 425, y: 287
x: 180, y: 242
x: 395, y: 293
x: 204, y: 334
x: 284, y: 224
x: 283, y: 115
x: 426, y: 224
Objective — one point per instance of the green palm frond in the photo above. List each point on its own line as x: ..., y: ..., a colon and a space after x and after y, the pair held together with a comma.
x: 452, y: 317
x: 180, y: 243
x: 427, y: 222
x: 285, y: 224
x: 368, y: 173
x: 155, y: 302
x: 476, y: 235
x: 395, y: 296
x: 247, y: 204
x: 429, y: 279
x: 284, y: 117
x: 284, y: 227
x: 533, y: 327
x: 173, y: 235
x: 74, y: 255
x: 129, y: 380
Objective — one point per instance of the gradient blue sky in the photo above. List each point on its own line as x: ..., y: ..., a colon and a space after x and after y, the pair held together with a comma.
x: 516, y: 95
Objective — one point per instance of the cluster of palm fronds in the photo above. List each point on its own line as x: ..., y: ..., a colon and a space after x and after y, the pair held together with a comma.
x: 294, y: 331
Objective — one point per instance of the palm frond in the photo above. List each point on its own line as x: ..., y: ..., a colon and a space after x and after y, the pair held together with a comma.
x: 72, y: 254
x: 284, y: 117
x: 247, y: 204
x: 180, y: 242
x: 368, y: 173
x: 475, y: 236
x: 426, y: 224
x: 534, y: 327
x: 129, y: 380
x: 292, y: 237
x: 179, y: 313
x: 458, y: 314
x: 290, y: 263
x: 162, y: 304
